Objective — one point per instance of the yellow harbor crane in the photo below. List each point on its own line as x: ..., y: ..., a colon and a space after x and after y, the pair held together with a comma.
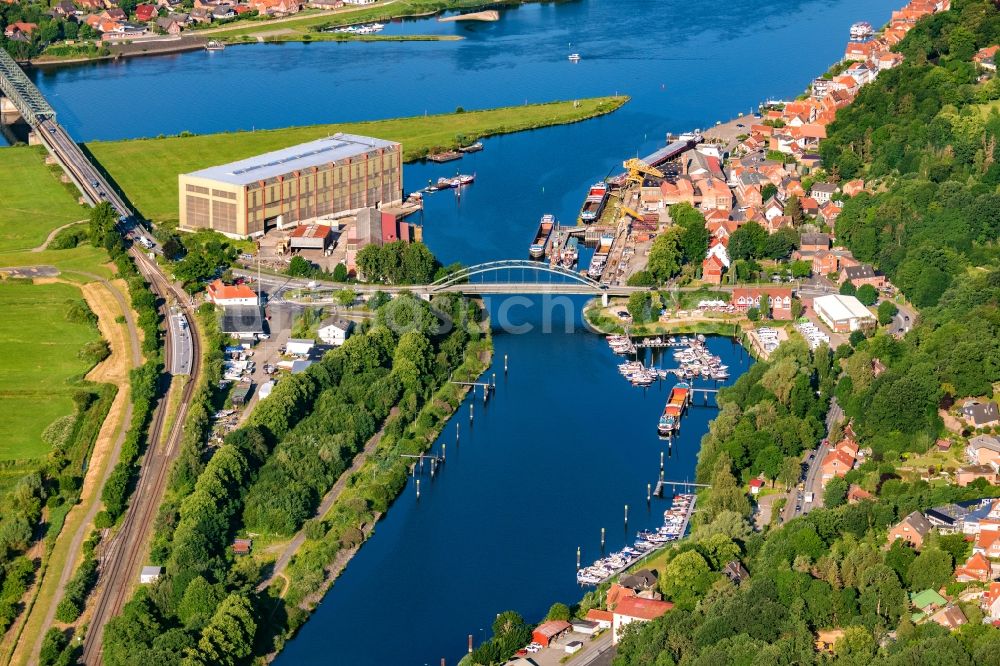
x: 638, y: 170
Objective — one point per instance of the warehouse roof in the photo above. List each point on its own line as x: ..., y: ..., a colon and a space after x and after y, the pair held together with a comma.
x: 244, y: 319
x: 311, y: 231
x: 840, y: 307
x: 303, y: 156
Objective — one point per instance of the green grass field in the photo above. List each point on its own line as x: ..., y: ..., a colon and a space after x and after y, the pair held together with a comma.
x: 39, y: 351
x: 147, y: 169
x: 32, y: 200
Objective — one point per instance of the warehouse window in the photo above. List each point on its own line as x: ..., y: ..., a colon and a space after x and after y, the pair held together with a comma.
x: 223, y: 194
x: 196, y: 188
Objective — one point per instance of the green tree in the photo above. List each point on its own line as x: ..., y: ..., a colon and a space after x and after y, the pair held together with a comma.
x: 867, y: 294
x: 768, y: 191
x: 228, y: 637
x: 931, y: 569
x: 665, y: 255
x: 801, y: 269
x: 848, y: 289
x: 793, y: 209
x: 753, y: 314
x: 748, y: 242
x: 340, y: 273
x: 835, y: 493
x: 694, y: 235
x: 640, y: 307
x: 558, y: 611
x: 887, y: 311
x: 686, y: 578
x: 300, y: 267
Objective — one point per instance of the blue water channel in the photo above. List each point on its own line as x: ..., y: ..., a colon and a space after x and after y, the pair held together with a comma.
x: 566, y: 442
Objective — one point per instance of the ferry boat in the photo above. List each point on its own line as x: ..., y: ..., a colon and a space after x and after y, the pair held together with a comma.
x: 215, y: 45
x: 574, y: 57
x: 594, y: 204
x: 670, y: 419
x: 861, y: 31
x: 537, y: 248
x: 570, y: 253
x: 466, y: 179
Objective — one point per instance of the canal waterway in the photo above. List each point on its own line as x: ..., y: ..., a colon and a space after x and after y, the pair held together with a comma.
x: 567, y: 442
x: 559, y: 451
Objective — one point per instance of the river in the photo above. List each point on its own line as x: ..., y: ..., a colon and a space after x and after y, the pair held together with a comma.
x: 566, y: 442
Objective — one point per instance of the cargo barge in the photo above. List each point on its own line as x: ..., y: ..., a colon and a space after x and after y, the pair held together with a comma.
x: 593, y: 205
x: 670, y: 420
x: 537, y: 248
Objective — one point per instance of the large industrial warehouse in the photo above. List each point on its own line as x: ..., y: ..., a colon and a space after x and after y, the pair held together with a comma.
x: 344, y: 172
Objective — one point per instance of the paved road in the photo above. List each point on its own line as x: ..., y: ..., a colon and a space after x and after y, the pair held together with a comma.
x: 812, y: 480
x: 180, y: 343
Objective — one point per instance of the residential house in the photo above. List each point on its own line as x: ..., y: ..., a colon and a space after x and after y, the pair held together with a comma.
x: 949, y: 617
x: 223, y: 294
x: 712, y: 269
x: 822, y: 192
x: 911, y: 529
x: 242, y: 546
x: 715, y: 194
x: 616, y: 594
x: 145, y: 13
x: 987, y: 544
x: 809, y: 206
x: 860, y: 50
x: 603, y: 618
x: 223, y: 13
x: 755, y: 485
x: 334, y: 330
x: 857, y: 494
x: 200, y: 15
x: 853, y: 188
x: 172, y: 25
x: 861, y: 274
x: 888, y: 60
x: 971, y: 473
x: 776, y: 301
x: 926, y: 602
x: 981, y: 414
x: 976, y: 568
x: 813, y: 242
x: 829, y: 212
x: 948, y: 518
x: 633, y: 609
x: 991, y: 601
x: 819, y: 87
x: 823, y: 263
x: 64, y: 9
x: 20, y: 31
x: 985, y: 57
x: 643, y: 582
x: 838, y: 462
x: 773, y: 208
x: 735, y: 572
x: 984, y: 450
x: 114, y: 14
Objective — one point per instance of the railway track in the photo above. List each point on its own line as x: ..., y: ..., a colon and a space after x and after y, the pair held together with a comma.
x: 121, y: 562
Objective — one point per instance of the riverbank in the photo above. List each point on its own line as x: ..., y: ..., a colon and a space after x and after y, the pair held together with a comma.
x: 146, y: 169
x: 605, y: 321
x: 299, y: 27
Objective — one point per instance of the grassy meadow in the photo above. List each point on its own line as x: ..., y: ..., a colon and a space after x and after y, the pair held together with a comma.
x: 34, y: 202
x: 40, y: 351
x: 147, y: 169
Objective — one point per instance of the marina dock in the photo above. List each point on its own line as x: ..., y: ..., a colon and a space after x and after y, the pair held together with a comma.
x: 676, y: 521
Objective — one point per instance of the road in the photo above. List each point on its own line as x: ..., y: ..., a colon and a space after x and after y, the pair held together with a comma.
x: 181, y: 349
x: 812, y: 480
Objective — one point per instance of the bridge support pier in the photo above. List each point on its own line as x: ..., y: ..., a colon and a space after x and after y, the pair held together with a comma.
x: 604, y: 299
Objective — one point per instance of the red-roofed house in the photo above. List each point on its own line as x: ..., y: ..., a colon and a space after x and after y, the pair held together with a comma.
x: 225, y: 294
x: 836, y: 463
x: 988, y: 544
x: 636, y: 610
x: 857, y: 494
x: 985, y: 57
x: 755, y: 486
x: 602, y: 617
x: 616, y: 594
x: 776, y: 299
x: 829, y: 212
x: 976, y: 568
x: 712, y: 270
x: 809, y: 205
x: 853, y: 187
x: 20, y: 31
x: 860, y: 50
x: 991, y: 601
x: 145, y: 13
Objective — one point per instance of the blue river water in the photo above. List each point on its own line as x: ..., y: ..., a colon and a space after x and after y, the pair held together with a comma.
x: 566, y: 442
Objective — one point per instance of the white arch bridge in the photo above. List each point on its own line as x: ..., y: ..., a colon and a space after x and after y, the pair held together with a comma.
x: 521, y: 276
